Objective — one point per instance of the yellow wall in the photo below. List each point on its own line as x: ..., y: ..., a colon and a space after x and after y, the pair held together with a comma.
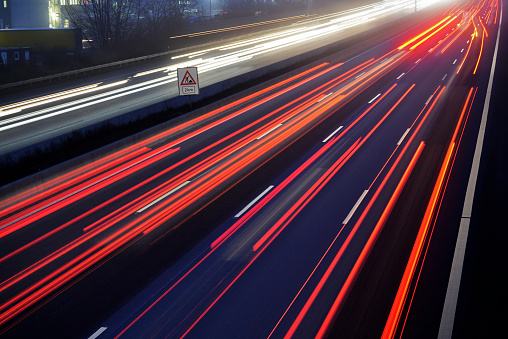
x: 43, y: 39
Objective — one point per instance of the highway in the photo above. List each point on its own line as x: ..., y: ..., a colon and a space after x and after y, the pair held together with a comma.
x: 37, y: 115
x: 301, y: 210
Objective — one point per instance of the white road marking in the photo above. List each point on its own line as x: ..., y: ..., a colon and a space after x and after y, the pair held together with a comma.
x: 400, y: 76
x: 454, y: 61
x: 428, y: 100
x: 326, y: 96
x: 452, y: 291
x: 163, y: 197
x: 359, y: 75
x: 444, y: 77
x: 403, y: 136
x: 334, y: 132
x: 355, y: 207
x: 270, y: 131
x: 97, y: 333
x: 239, y: 214
x: 377, y: 96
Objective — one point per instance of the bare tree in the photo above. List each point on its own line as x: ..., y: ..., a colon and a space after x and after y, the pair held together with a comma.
x: 135, y: 24
x: 107, y: 23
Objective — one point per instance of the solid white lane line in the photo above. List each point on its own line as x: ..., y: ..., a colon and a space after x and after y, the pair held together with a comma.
x: 372, y: 100
x: 355, y: 207
x: 331, y: 135
x: 400, y: 76
x: 97, y: 333
x: 403, y: 136
x: 452, y: 291
x: 444, y: 77
x: 270, y: 131
x: 239, y: 214
x: 163, y: 197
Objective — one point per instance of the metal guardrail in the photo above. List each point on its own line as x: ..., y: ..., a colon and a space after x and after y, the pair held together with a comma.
x: 83, y: 71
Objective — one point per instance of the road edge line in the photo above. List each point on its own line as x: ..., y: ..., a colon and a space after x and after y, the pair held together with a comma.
x: 452, y: 291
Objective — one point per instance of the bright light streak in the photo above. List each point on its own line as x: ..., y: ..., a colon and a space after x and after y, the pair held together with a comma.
x: 18, y: 107
x: 327, y: 323
x: 11, y: 123
x: 422, y: 34
x: 480, y: 55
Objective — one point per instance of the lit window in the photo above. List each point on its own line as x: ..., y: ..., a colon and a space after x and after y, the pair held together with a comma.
x: 5, y: 3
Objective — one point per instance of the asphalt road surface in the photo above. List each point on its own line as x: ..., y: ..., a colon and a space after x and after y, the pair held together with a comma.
x: 305, y: 209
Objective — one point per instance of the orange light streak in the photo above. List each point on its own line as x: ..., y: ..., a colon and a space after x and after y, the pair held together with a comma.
x: 65, y: 198
x: 456, y: 37
x: 480, y: 55
x: 467, y: 52
x: 495, y: 16
x: 431, y: 35
x: 437, y: 213
x: 221, y: 239
x: 484, y: 29
x: 328, y: 322
x: 400, y: 299
x: 307, y: 197
x: 422, y: 34
x: 332, y: 266
x: 27, y: 198
x: 265, y: 237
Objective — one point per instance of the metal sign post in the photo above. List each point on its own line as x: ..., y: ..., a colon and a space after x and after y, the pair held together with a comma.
x: 188, y: 83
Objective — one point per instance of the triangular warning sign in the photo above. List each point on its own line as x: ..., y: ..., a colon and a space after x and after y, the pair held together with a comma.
x: 188, y: 79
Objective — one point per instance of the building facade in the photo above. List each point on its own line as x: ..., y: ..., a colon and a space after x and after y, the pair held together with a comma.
x: 23, y: 14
